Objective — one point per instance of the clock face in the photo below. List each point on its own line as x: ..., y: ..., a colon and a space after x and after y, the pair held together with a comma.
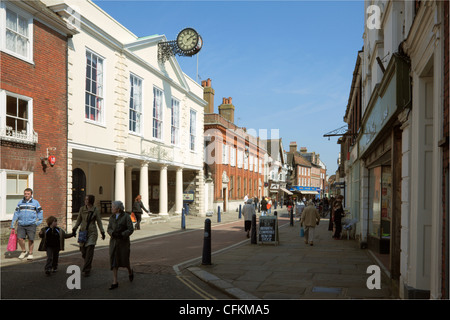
x: 187, y: 39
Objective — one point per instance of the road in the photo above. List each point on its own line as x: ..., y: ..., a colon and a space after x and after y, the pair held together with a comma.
x: 157, y: 262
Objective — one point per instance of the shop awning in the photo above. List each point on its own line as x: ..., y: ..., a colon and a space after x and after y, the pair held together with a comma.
x: 286, y: 191
x: 309, y: 192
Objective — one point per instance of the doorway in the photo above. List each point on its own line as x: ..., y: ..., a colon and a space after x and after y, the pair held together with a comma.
x: 78, y: 189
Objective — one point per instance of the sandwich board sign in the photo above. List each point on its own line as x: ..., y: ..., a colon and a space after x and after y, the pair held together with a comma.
x: 268, y: 230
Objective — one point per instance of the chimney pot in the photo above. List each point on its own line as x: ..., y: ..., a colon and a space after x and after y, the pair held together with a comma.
x: 208, y: 83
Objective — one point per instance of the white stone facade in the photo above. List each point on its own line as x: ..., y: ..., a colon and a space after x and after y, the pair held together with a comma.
x: 116, y: 85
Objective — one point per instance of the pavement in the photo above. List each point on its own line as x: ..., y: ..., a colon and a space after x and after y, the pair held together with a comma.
x: 330, y: 269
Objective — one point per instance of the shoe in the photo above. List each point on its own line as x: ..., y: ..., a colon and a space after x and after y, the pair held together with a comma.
x: 23, y: 254
x: 54, y: 270
x: 131, y: 276
x: 30, y: 257
x: 114, y: 286
x: 47, y: 272
x: 310, y: 243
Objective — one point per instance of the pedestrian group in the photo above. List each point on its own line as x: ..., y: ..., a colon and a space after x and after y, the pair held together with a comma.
x: 29, y: 214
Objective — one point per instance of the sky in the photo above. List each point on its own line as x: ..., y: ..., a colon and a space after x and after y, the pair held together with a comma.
x: 287, y: 65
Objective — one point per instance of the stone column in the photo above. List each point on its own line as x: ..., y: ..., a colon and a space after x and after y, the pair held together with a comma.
x: 163, y: 191
x: 128, y: 189
x: 119, y: 194
x: 179, y: 191
x: 143, y: 187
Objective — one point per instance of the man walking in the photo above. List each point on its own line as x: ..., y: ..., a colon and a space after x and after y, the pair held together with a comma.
x: 310, y: 218
x: 28, y: 215
x: 249, y: 211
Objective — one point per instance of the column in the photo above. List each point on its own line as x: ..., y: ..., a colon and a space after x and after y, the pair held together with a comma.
x: 128, y: 189
x: 143, y: 187
x: 163, y: 190
x: 119, y: 194
x: 179, y: 191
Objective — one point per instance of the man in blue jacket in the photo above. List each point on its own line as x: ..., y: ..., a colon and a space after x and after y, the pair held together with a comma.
x: 28, y: 215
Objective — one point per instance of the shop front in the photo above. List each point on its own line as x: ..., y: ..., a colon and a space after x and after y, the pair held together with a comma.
x: 381, y: 155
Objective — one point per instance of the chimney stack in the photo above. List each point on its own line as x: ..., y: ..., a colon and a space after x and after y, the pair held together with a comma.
x: 226, y: 109
x: 208, y: 95
x: 292, y: 147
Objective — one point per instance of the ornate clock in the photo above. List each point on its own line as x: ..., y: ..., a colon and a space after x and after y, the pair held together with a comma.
x: 188, y: 43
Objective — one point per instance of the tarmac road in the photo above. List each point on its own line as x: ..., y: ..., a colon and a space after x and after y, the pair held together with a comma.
x: 157, y: 261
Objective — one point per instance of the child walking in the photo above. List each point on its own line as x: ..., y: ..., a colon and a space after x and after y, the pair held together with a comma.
x: 52, y: 242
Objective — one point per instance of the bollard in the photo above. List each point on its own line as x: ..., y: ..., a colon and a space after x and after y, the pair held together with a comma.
x: 183, y: 220
x: 187, y: 208
x: 218, y: 214
x: 240, y: 212
x: 253, y: 230
x: 206, y: 258
x: 291, y: 223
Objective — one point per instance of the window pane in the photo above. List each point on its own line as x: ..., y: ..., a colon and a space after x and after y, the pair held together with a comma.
x: 11, y: 184
x: 23, y: 109
x: 10, y: 40
x: 23, y: 27
x: 11, y: 203
x: 22, y: 183
x: 11, y: 106
x: 11, y: 20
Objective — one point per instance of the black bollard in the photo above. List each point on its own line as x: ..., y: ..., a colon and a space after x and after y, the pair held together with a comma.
x: 218, y: 215
x: 183, y: 220
x: 206, y: 258
x: 240, y: 212
x: 253, y: 230
x: 291, y: 223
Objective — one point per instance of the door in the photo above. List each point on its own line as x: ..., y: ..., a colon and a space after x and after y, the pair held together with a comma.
x: 78, y: 189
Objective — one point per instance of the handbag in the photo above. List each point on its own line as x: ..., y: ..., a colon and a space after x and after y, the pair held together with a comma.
x: 133, y: 217
x: 12, y: 242
x: 82, y: 235
x: 302, y: 232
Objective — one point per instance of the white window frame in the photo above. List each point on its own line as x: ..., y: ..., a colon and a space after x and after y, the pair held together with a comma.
x: 192, y: 129
x: 97, y: 96
x: 175, y: 122
x: 5, y: 215
x: 225, y: 153
x: 157, y: 114
x: 3, y: 28
x: 138, y: 102
x: 30, y: 137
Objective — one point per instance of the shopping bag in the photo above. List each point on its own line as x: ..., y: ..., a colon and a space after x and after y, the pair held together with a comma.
x: 302, y: 232
x: 133, y: 217
x: 12, y: 243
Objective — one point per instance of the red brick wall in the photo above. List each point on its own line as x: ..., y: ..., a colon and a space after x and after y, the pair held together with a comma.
x: 46, y: 83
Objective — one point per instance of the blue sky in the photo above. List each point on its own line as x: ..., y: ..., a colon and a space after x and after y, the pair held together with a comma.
x: 287, y: 65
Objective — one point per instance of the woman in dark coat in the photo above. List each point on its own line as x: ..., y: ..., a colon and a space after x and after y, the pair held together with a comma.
x: 338, y: 215
x: 120, y: 228
x: 138, y: 206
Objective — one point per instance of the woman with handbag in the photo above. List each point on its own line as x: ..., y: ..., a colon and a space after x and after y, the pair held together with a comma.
x: 138, y: 206
x: 87, y: 237
x: 120, y: 228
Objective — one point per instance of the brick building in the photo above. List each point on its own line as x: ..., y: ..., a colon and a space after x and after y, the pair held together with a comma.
x: 33, y: 104
x: 234, y: 158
